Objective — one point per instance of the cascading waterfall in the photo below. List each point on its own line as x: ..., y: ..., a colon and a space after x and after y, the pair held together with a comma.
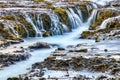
x: 79, y: 13
x: 56, y: 25
x: 88, y: 8
x: 28, y: 18
x: 39, y: 23
x: 22, y: 25
x: 105, y: 22
x: 93, y: 16
x: 94, y: 5
x: 74, y: 18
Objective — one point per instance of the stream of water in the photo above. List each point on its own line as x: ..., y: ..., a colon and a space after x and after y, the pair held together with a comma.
x: 64, y: 40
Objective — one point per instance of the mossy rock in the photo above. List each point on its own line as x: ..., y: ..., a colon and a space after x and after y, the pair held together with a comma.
x: 38, y: 1
x: 8, y: 17
x: 51, y: 58
x: 46, y: 34
x: 46, y: 21
x: 85, y: 12
x: 27, y: 25
x: 101, y: 67
x: 115, y: 70
x: 87, y: 34
x: 61, y: 12
x: 21, y: 31
x: 105, y: 14
x: 14, y: 78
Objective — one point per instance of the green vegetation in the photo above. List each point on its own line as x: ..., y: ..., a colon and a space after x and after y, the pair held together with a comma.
x: 102, y: 16
x: 21, y: 31
x: 38, y: 0
x: 114, y: 25
x: 46, y: 21
x: 28, y: 26
x: 61, y: 12
x: 7, y: 17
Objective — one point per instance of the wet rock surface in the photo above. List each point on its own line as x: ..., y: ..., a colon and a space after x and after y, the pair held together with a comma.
x: 39, y: 45
x: 9, y: 59
x: 78, y: 58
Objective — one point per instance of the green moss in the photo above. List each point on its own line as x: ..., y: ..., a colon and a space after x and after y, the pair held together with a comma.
x: 85, y: 12
x: 48, y: 3
x: 28, y: 26
x: 86, y: 34
x: 38, y: 0
x: 21, y: 31
x: 61, y: 12
x: 5, y: 33
x: 8, y: 17
x: 115, y: 70
x: 46, y: 34
x: 101, y: 67
x: 102, y: 16
x: 46, y: 21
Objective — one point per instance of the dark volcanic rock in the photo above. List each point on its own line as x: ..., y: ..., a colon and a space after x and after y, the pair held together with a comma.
x: 39, y: 45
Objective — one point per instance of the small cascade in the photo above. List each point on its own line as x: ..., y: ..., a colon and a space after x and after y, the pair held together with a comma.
x: 29, y: 19
x: 94, y: 5
x: 39, y: 23
x: 74, y: 18
x: 71, y: 19
x: 65, y: 27
x: 56, y: 27
x: 22, y: 25
x: 93, y: 17
x: 105, y: 22
x: 79, y: 13
x: 88, y: 8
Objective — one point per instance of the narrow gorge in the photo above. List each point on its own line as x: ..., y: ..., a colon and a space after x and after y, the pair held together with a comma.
x: 59, y: 40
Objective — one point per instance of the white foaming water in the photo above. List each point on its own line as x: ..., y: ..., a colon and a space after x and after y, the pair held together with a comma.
x: 28, y: 18
x: 40, y: 55
x: 20, y: 68
x: 105, y: 22
x: 93, y: 16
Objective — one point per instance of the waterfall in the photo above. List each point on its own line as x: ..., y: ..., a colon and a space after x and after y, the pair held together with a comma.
x: 39, y: 23
x: 28, y: 18
x: 93, y: 17
x: 88, y: 8
x: 57, y: 27
x: 105, y: 22
x: 94, y: 5
x: 74, y: 18
x: 79, y: 13
x: 22, y: 25
x: 55, y: 24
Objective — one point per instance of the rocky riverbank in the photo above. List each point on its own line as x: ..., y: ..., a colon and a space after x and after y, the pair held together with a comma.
x: 10, y: 52
x: 39, y: 18
x: 76, y: 59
